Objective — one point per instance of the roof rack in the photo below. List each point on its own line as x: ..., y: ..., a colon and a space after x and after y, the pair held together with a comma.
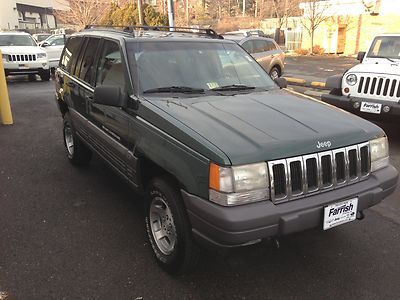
x: 131, y: 29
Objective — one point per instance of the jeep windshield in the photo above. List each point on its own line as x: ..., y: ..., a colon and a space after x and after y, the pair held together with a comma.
x: 16, y: 40
x: 195, y: 67
x: 387, y: 47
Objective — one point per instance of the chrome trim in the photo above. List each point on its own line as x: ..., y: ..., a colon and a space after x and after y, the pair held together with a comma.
x: 289, y: 195
x: 73, y: 78
x: 369, y: 157
x: 272, y: 180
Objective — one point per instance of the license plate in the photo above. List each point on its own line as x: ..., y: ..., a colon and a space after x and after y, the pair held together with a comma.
x: 23, y: 66
x: 340, y: 213
x: 369, y: 107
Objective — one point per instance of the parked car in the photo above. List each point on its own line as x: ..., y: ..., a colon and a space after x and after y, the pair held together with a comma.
x: 223, y: 155
x: 22, y: 56
x: 371, y: 88
x: 265, y: 50
x: 39, y: 37
x: 54, y: 46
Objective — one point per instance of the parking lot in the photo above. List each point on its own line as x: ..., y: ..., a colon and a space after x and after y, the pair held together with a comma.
x: 70, y: 233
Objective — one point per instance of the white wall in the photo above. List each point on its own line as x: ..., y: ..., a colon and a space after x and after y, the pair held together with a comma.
x: 8, y: 14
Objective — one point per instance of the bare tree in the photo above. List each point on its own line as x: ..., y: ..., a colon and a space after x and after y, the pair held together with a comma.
x: 82, y: 12
x: 282, y: 9
x: 315, y: 13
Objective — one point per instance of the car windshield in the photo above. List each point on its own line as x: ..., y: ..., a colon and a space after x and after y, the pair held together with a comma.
x: 42, y: 37
x: 186, y: 65
x: 16, y: 40
x: 385, y: 47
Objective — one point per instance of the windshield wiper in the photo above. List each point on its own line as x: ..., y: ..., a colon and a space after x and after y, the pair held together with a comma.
x: 233, y: 87
x: 389, y: 59
x: 175, y: 89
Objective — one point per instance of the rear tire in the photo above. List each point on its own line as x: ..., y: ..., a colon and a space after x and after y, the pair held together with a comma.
x: 32, y: 77
x: 77, y: 152
x: 168, y: 228
x: 45, y: 76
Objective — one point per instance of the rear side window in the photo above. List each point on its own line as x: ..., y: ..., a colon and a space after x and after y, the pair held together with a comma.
x: 110, y: 70
x: 260, y: 46
x: 85, y: 68
x: 271, y: 46
x: 70, y: 53
x: 248, y: 46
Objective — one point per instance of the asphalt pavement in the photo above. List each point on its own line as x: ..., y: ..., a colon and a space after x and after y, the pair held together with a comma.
x: 317, y: 68
x: 78, y: 233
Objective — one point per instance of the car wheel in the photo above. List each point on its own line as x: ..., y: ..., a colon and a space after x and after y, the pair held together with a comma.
x: 78, y: 153
x: 274, y: 73
x: 45, y: 76
x: 168, y: 228
x: 32, y: 77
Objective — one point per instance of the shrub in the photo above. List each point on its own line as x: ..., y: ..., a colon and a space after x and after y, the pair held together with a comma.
x: 318, y: 50
x: 301, y: 51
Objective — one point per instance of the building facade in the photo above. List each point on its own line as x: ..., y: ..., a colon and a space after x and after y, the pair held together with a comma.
x: 31, y: 15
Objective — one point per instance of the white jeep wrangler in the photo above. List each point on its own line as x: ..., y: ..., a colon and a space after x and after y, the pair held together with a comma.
x: 371, y: 88
x: 22, y: 56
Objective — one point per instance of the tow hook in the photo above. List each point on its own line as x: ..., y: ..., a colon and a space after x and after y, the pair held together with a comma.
x: 360, y: 215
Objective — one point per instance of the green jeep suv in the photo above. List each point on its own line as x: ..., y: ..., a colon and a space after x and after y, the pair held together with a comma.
x: 223, y: 154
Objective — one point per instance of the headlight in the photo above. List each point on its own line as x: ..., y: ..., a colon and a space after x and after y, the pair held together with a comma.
x: 238, y: 185
x: 379, y: 149
x: 41, y: 55
x: 351, y: 79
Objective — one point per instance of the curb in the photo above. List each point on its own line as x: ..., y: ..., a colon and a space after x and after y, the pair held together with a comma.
x: 303, y: 82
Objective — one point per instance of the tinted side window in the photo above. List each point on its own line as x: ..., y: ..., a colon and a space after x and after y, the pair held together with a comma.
x: 248, y: 46
x: 70, y: 53
x: 260, y: 46
x: 57, y: 42
x: 271, y: 46
x: 110, y: 70
x: 87, y: 64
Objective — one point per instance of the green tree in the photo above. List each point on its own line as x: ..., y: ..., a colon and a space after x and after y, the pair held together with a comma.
x: 128, y: 15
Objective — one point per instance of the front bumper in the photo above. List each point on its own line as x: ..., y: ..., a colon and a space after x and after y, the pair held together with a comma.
x: 29, y: 67
x: 347, y: 103
x: 240, y: 225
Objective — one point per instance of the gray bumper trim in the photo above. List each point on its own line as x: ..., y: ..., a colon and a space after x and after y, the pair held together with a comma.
x: 236, y: 226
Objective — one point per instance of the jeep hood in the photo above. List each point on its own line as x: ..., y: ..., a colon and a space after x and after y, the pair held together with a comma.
x: 377, y: 66
x: 21, y: 50
x: 267, y: 125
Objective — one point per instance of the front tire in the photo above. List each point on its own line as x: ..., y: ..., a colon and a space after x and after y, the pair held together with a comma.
x: 168, y: 228
x: 78, y: 153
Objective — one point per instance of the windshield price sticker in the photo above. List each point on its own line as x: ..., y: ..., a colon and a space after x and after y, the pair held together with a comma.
x: 369, y: 107
x: 340, y: 213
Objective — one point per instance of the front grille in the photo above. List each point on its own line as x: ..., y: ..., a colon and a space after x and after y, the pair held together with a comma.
x: 296, y: 177
x: 21, y: 57
x: 378, y: 86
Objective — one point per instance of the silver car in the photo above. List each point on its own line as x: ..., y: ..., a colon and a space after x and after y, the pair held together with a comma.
x: 265, y: 50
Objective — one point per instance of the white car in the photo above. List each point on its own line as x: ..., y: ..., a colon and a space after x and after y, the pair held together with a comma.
x: 22, y: 56
x: 54, y: 46
x: 371, y: 88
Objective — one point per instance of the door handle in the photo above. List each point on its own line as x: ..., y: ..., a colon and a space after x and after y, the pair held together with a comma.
x: 90, y: 98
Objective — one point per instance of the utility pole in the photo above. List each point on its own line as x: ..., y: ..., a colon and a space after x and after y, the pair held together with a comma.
x: 140, y: 12
x: 171, y: 13
x: 187, y: 13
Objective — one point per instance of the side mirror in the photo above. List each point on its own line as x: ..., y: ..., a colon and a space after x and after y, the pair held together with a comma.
x: 108, y: 95
x: 281, y: 82
x: 334, y: 82
x: 44, y: 44
x: 360, y: 56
